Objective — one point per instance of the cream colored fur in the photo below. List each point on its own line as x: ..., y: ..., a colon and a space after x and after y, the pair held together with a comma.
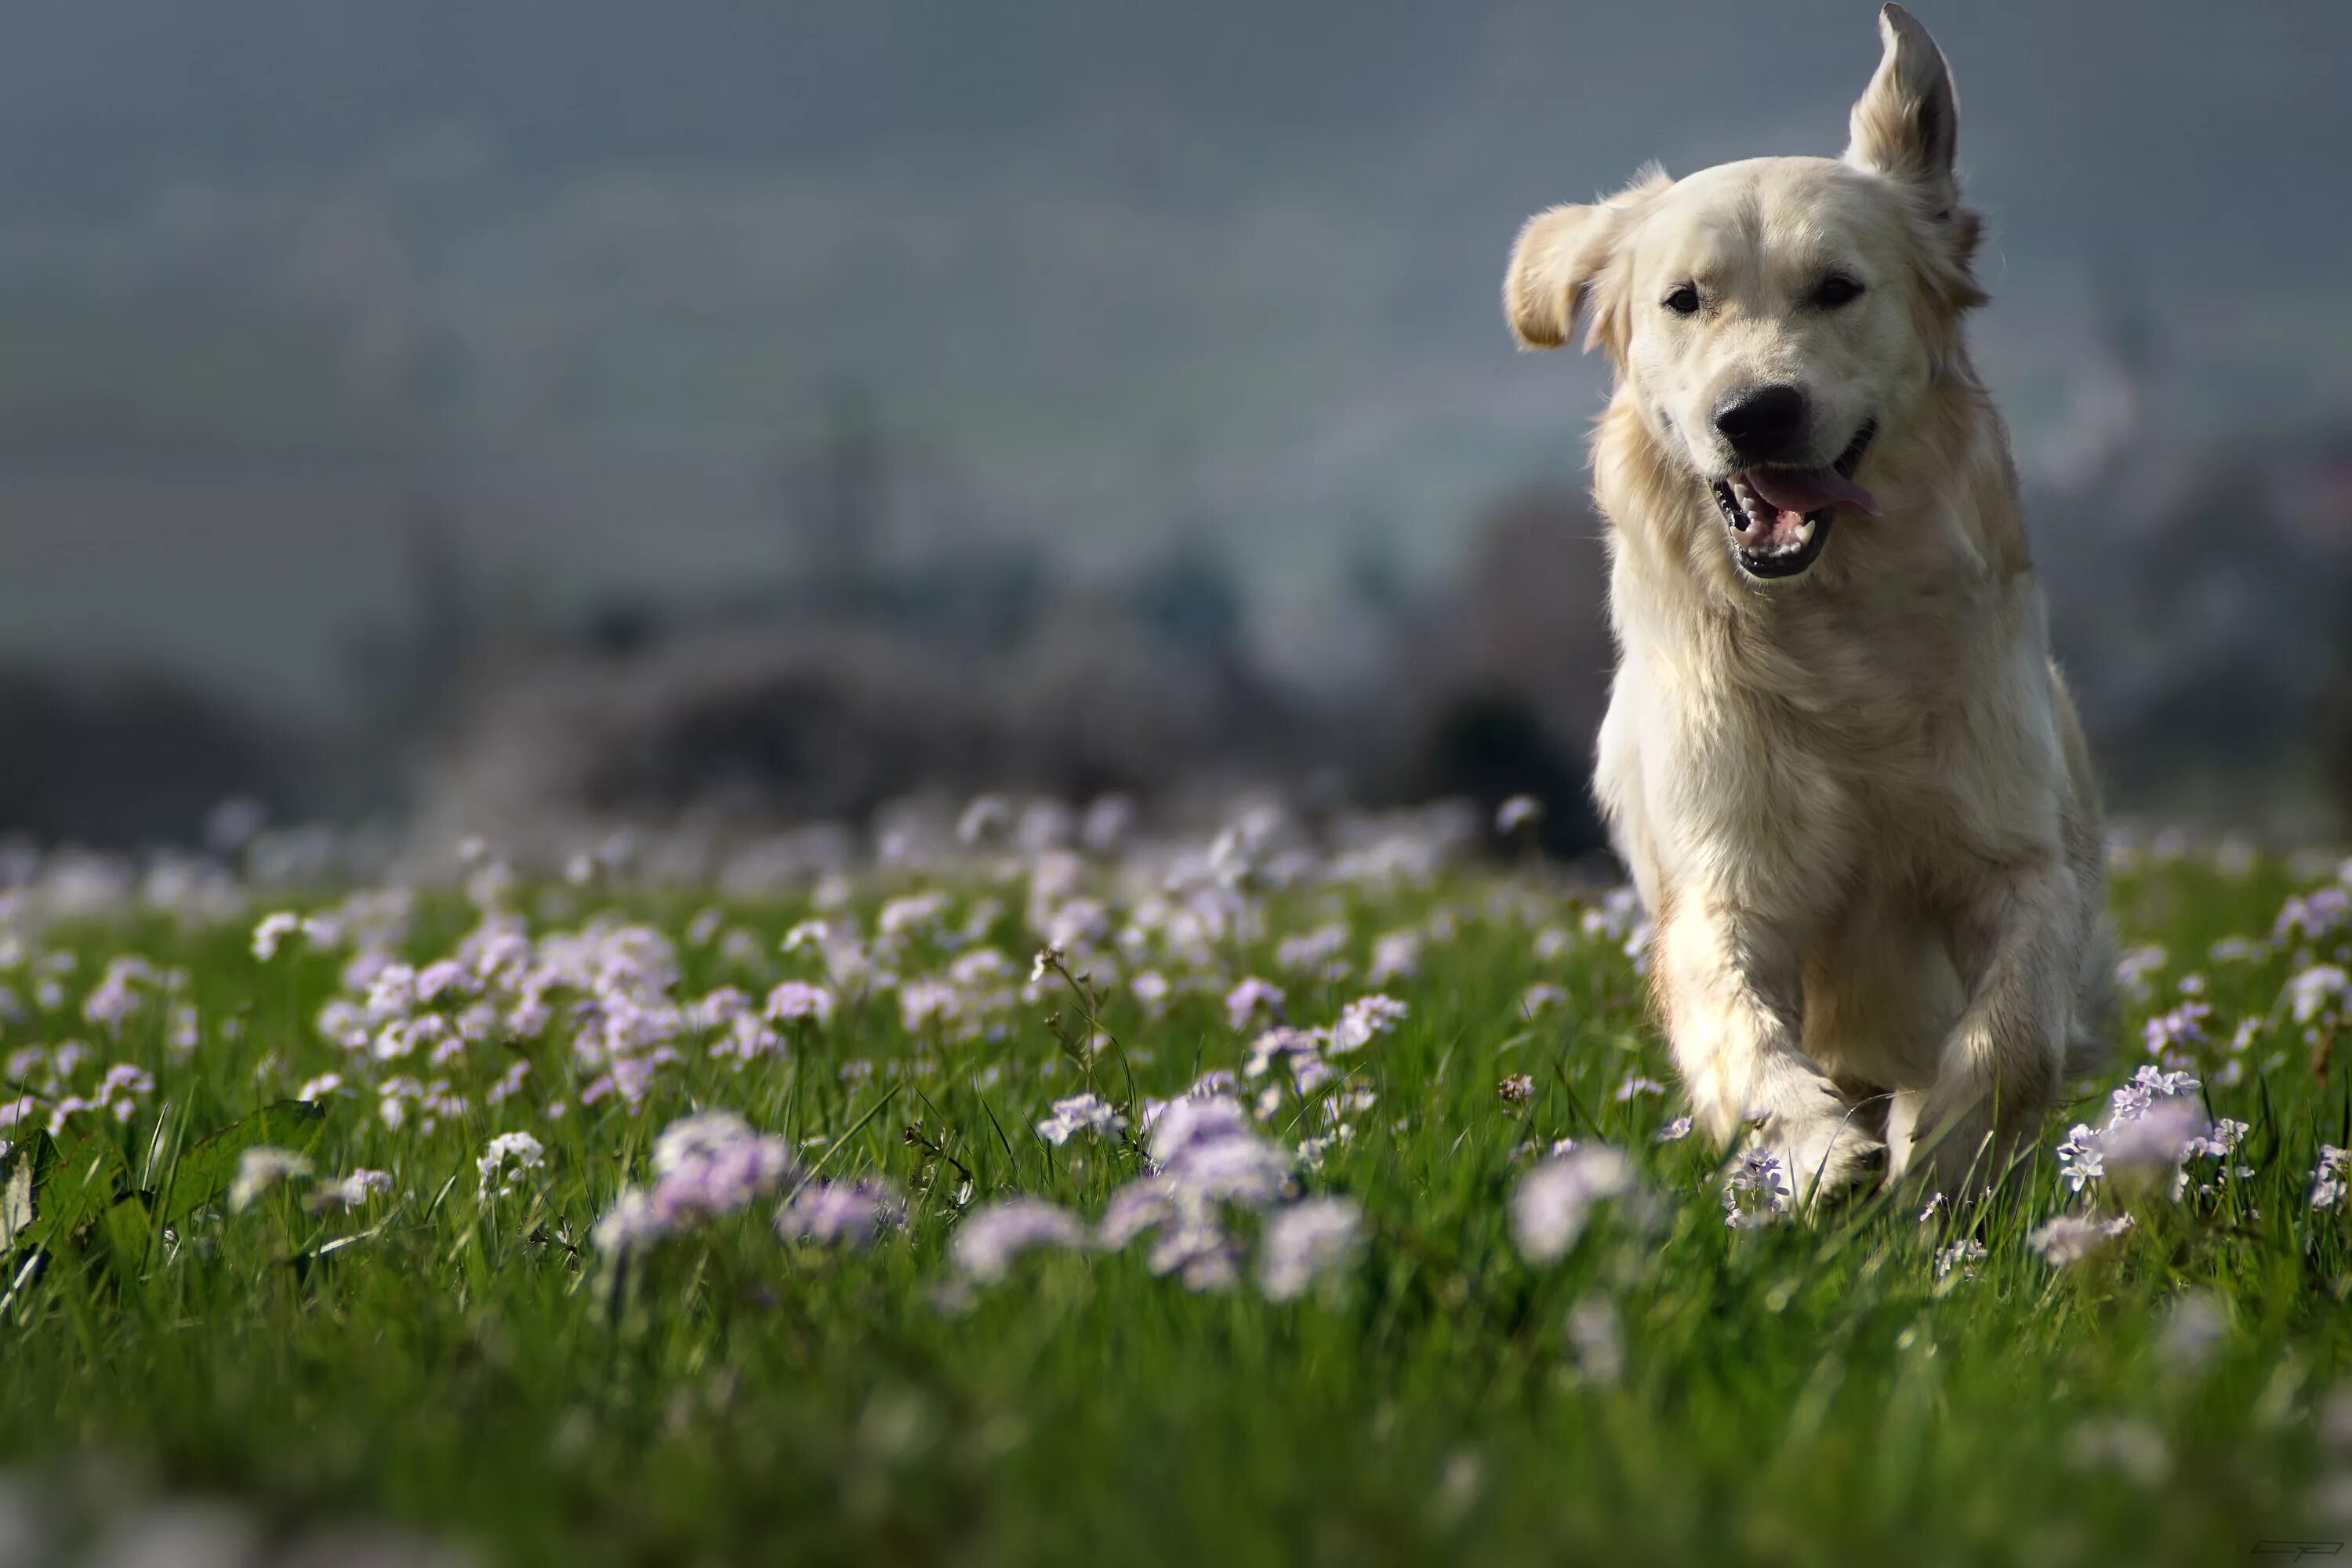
x: 1856, y: 802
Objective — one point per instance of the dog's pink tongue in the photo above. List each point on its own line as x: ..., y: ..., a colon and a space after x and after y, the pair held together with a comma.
x: 1801, y: 490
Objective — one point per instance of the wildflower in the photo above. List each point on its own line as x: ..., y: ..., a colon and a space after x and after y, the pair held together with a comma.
x: 920, y: 1002
x: 2315, y: 915
x: 2178, y: 1032
x: 1080, y: 1113
x: 1517, y: 812
x: 349, y: 1191
x: 1315, y: 1238
x: 1362, y: 1019
x: 715, y: 1163
x: 273, y: 930
x: 841, y: 1211
x: 2330, y: 1177
x: 992, y: 1237
x: 1675, y: 1131
x: 508, y: 1155
x: 2136, y: 1148
x: 1395, y: 957
x: 2314, y: 990
x: 2132, y: 1447
x: 318, y: 1088
x: 987, y: 815
x: 1757, y: 1190
x: 2194, y: 1329
x: 2071, y: 1239
x: 632, y: 1221
x: 1962, y: 1255
x: 1594, y: 1342
x: 1637, y: 1083
x: 1049, y: 959
x: 1315, y: 952
x: 1252, y: 999
x: 1553, y: 1202
x: 2134, y: 967
x: 260, y: 1168
x: 798, y: 1001
x: 1540, y: 996
x: 1516, y: 1090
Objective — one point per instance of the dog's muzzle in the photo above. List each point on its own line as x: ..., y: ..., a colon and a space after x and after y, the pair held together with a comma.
x: 1779, y: 517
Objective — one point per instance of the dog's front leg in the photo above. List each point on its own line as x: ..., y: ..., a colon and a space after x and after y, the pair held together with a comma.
x: 2020, y: 935
x: 1728, y: 985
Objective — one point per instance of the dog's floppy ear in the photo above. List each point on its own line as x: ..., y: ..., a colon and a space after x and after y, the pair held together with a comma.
x: 1906, y: 124
x: 1561, y: 262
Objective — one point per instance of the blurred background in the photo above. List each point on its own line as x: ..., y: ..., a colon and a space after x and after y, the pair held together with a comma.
x: 516, y: 417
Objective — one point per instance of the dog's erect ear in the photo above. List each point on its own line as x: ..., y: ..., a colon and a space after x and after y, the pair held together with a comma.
x: 1561, y: 262
x: 1906, y: 124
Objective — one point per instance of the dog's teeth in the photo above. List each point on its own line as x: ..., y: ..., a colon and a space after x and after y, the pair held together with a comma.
x: 1805, y: 531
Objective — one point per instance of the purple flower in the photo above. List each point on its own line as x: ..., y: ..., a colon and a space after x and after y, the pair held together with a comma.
x: 994, y: 1235
x: 1757, y: 1190
x: 1252, y: 999
x: 1553, y: 1202
x: 841, y: 1211
x: 1315, y: 1238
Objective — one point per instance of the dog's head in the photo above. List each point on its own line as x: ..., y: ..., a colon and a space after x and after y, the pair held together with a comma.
x: 1770, y: 320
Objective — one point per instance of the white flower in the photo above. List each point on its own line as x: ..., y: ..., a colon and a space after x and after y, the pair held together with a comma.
x: 1395, y: 957
x: 273, y: 930
x: 318, y: 1088
x: 1962, y: 1255
x: 1079, y: 1113
x: 2330, y: 1177
x: 2194, y: 1330
x: 508, y: 1155
x: 2311, y: 991
x: 632, y: 1221
x: 1594, y: 1340
x: 2120, y: 1443
x: 797, y: 1001
x: 1552, y: 1202
x: 1313, y: 1240
x: 349, y: 1191
x: 260, y: 1168
x: 2071, y: 1239
x: 1542, y: 994
x: 1675, y: 1131
x: 1517, y: 812
x: 1363, y: 1018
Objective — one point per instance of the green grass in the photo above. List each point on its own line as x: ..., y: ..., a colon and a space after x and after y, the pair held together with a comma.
x: 1794, y: 1393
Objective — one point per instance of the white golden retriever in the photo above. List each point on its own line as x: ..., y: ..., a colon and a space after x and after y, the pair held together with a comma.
x: 1851, y: 787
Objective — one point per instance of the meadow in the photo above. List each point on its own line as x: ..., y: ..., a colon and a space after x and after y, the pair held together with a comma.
x: 1290, y: 1197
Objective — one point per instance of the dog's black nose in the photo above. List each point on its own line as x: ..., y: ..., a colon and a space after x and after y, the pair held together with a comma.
x: 1763, y: 422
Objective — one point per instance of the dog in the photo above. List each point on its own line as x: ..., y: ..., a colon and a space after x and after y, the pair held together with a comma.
x: 1849, y: 783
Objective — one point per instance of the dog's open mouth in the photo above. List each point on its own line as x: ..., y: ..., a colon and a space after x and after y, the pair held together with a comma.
x: 1779, y: 518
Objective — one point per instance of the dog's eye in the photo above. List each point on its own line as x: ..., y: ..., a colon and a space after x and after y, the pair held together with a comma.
x: 1684, y: 300
x: 1836, y: 289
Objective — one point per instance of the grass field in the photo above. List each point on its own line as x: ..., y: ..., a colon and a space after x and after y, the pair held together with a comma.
x: 1346, y: 1303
